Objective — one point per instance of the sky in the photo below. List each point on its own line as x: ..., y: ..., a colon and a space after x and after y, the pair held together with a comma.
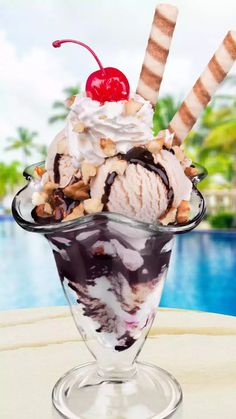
x: 33, y: 74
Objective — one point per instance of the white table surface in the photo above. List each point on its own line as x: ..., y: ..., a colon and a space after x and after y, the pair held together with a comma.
x: 37, y: 346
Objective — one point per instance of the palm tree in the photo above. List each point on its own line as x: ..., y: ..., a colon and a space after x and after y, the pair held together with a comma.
x: 24, y: 141
x: 43, y: 151
x: 61, y: 106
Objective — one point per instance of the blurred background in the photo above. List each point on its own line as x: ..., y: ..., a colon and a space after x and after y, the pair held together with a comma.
x: 35, y: 80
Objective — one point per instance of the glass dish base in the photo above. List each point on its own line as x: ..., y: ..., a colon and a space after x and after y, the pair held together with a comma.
x: 150, y: 392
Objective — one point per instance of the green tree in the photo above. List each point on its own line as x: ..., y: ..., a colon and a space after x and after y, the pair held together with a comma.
x: 60, y: 106
x: 213, y: 142
x: 10, y: 177
x: 24, y: 141
x: 164, y: 112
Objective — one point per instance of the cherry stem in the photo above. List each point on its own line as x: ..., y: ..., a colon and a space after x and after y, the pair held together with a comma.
x: 58, y: 43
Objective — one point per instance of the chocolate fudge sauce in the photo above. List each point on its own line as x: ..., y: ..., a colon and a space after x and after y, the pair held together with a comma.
x: 56, y: 170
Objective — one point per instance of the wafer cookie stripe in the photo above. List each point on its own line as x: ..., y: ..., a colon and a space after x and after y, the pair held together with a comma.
x: 204, y: 88
x: 157, y: 52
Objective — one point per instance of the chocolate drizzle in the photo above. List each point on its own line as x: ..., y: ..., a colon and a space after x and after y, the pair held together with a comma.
x: 169, y: 149
x: 56, y: 170
x: 107, y: 189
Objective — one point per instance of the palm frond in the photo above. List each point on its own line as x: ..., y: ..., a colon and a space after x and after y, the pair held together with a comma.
x: 56, y: 118
x: 58, y: 105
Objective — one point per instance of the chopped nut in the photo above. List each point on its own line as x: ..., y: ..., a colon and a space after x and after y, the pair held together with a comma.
x: 76, y: 212
x: 119, y: 167
x: 39, y: 213
x: 78, y: 174
x: 49, y: 187
x: 88, y: 171
x: 179, y: 154
x: 169, y: 217
x: 191, y: 171
x: 108, y: 146
x: 69, y: 101
x: 77, y: 191
x: 155, y: 146
x: 183, y: 212
x: 167, y: 137
x: 62, y: 147
x: 93, y: 205
x: 131, y: 107
x: 39, y: 198
x: 102, y: 117
x: 39, y: 171
x: 79, y: 127
x: 48, y: 209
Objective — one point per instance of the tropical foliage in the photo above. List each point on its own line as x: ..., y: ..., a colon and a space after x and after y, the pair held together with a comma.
x: 10, y: 177
x: 212, y: 142
x: 164, y: 112
x: 24, y: 141
x: 60, y: 106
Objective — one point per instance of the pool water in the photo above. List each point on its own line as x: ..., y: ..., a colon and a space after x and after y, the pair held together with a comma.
x: 202, y: 274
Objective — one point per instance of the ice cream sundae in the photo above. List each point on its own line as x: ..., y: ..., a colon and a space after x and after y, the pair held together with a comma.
x: 111, y: 194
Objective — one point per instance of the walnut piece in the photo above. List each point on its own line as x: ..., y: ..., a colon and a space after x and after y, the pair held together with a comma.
x: 76, y: 213
x: 69, y: 101
x: 155, y: 146
x: 77, y: 191
x: 88, y: 171
x: 39, y: 198
x: 49, y: 187
x: 108, y: 146
x: 48, y: 209
x: 93, y: 205
x: 183, y: 212
x: 39, y: 171
x: 169, y: 217
x: 191, y: 171
x: 167, y: 137
x: 119, y: 167
x: 79, y: 127
x: 131, y: 107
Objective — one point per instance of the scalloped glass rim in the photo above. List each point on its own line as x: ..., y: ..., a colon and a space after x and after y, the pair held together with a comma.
x: 28, y: 173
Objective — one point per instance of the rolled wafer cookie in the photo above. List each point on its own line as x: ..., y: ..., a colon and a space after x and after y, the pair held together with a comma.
x: 204, y: 88
x: 157, y: 52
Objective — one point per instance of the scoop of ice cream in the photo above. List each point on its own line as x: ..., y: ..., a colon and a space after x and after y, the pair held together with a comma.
x: 139, y: 193
x: 149, y: 185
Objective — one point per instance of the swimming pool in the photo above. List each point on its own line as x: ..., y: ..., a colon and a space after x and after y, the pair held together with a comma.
x: 202, y: 274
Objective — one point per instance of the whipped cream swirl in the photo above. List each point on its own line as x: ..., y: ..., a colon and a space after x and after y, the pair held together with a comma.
x: 107, y: 121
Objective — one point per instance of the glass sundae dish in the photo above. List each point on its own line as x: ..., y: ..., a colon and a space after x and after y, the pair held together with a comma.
x: 109, y: 199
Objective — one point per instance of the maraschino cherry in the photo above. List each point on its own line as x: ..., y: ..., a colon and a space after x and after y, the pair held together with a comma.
x: 105, y: 85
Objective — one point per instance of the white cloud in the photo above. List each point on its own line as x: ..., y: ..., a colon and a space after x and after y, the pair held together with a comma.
x: 30, y: 82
